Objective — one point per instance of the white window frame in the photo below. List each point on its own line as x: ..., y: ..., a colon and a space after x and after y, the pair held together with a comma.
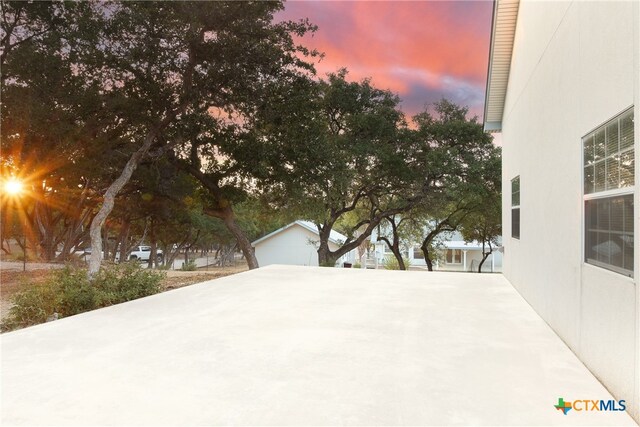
x: 606, y: 194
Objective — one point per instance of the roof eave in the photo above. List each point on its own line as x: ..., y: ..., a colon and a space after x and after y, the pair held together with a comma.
x: 489, y: 64
x: 492, y: 127
x: 503, y: 28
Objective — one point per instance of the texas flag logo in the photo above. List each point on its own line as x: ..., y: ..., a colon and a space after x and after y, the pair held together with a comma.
x: 563, y: 406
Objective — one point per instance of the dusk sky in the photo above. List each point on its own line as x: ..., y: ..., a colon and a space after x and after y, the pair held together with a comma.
x: 421, y: 50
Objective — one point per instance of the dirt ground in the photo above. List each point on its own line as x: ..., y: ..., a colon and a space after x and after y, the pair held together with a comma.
x: 12, y: 280
x: 177, y: 279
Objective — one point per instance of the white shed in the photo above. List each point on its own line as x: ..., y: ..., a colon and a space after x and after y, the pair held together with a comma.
x: 296, y: 244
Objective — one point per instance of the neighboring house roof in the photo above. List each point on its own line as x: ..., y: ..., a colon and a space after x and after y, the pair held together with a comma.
x: 334, y: 237
x: 505, y: 16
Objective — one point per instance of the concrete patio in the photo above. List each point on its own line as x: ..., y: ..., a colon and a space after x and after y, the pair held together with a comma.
x: 302, y: 345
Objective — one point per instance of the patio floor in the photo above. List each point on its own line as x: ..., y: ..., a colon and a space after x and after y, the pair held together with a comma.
x: 302, y: 345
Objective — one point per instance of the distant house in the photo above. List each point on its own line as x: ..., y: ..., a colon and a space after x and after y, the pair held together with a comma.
x: 457, y: 255
x: 563, y: 88
x: 297, y: 244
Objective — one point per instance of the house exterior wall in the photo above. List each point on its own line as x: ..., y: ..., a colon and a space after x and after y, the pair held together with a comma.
x: 474, y: 256
x: 574, y: 66
x: 293, y: 246
x: 473, y: 259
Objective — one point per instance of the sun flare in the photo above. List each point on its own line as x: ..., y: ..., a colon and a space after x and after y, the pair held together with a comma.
x: 13, y: 186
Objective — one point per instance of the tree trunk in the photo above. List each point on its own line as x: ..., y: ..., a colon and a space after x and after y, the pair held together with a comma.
x: 484, y: 258
x: 429, y: 263
x: 351, y: 244
x: 46, y: 230
x: 5, y: 249
x: 30, y: 238
x: 154, y: 249
x: 395, y: 246
x: 396, y: 252
x: 171, y: 255
x: 326, y: 258
x: 485, y: 255
x: 223, y: 209
x: 227, y: 255
x: 427, y: 255
x: 109, y: 201
x: 123, y: 239
x: 248, y: 251
x: 440, y: 227
x: 75, y: 235
x: 109, y: 249
x: 395, y: 249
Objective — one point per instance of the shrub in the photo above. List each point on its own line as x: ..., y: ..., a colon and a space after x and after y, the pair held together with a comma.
x: 189, y: 266
x: 32, y: 306
x: 391, y: 263
x: 68, y: 291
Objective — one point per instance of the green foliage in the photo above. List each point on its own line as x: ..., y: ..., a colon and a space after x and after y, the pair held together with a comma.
x: 391, y: 263
x: 68, y: 291
x: 87, y: 80
x: 189, y: 266
x: 229, y: 99
x: 32, y: 306
x: 485, y: 225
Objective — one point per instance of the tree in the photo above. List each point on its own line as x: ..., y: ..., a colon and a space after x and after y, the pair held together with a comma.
x: 337, y: 149
x: 23, y: 23
x: 139, y: 71
x: 485, y: 225
x: 189, y: 58
x: 442, y: 218
x: 401, y: 228
x: 447, y: 157
x: 469, y: 165
x: 46, y: 136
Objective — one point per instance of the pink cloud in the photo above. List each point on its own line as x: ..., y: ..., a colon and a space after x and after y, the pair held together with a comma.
x: 421, y: 50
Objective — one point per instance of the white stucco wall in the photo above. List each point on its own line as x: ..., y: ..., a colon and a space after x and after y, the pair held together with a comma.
x: 574, y: 66
x: 293, y: 246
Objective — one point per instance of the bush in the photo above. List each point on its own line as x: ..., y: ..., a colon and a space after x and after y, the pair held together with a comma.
x: 68, y: 291
x: 32, y: 306
x: 189, y: 266
x: 391, y: 263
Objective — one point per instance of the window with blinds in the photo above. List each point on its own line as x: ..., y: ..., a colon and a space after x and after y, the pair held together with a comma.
x: 515, y: 207
x: 609, y: 156
x: 609, y: 170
